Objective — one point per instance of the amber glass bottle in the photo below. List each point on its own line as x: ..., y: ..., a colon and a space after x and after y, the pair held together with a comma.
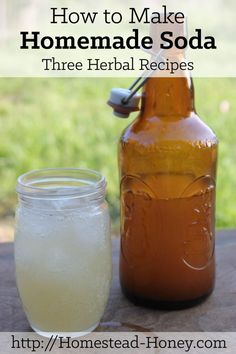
x: 167, y: 161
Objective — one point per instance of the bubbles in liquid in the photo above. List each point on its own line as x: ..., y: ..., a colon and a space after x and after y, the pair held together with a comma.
x: 64, y: 255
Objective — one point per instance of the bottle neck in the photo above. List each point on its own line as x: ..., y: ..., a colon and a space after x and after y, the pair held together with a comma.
x: 168, y: 96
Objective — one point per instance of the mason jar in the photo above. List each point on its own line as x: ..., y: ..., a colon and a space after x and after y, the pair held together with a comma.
x: 63, y: 249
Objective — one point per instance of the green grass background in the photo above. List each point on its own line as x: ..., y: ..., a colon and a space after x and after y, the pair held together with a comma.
x: 66, y: 123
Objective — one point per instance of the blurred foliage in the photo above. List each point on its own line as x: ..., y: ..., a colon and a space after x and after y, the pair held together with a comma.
x: 66, y: 123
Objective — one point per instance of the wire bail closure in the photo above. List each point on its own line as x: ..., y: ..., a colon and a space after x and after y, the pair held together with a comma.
x: 124, y: 101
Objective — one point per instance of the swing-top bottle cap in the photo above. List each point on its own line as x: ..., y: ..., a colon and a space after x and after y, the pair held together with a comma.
x: 122, y: 103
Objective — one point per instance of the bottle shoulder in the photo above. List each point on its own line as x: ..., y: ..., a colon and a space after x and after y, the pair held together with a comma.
x: 158, y: 130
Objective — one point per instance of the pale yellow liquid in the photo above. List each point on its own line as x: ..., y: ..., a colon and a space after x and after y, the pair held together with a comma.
x: 63, y: 269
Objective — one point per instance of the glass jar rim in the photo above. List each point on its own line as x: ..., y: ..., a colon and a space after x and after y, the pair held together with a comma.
x: 56, y: 183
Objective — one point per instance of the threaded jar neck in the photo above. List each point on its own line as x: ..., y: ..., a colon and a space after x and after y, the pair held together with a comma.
x: 78, y: 186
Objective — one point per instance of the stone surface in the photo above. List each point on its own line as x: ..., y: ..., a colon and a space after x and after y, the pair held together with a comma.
x: 217, y: 313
